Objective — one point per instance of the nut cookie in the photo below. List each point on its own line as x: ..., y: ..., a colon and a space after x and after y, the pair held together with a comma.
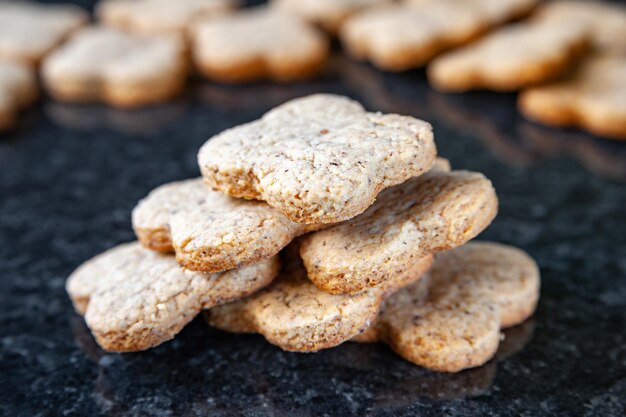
x: 18, y: 89
x: 259, y: 43
x: 159, y: 16
x: 605, y: 22
x: 211, y: 231
x: 297, y: 316
x: 29, y: 31
x: 327, y: 14
x: 435, y: 212
x: 454, y: 322
x: 134, y: 299
x: 318, y: 159
x: 593, y: 98
x: 511, y: 58
x: 408, y: 35
x: 121, y: 69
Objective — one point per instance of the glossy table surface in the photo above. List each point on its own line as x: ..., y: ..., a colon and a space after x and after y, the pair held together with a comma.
x: 70, y: 175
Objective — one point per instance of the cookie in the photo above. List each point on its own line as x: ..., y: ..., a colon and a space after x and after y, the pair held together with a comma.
x: 592, y: 98
x: 18, y: 88
x: 29, y: 31
x: 408, y: 35
x: 211, y: 231
x: 159, y: 16
x: 259, y: 43
x: 605, y: 22
x: 296, y: 316
x: 134, y: 299
x: 318, y: 159
x: 435, y: 212
x: 121, y: 69
x: 511, y: 58
x: 454, y: 322
x: 327, y: 14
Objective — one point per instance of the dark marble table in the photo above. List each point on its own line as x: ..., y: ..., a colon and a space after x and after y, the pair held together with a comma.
x: 70, y: 175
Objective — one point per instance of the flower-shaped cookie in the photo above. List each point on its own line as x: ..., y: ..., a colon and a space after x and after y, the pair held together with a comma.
x: 121, y: 69
x: 435, y: 212
x: 593, y: 97
x: 409, y: 35
x: 258, y: 43
x: 451, y: 319
x: 159, y: 16
x: 134, y: 299
x: 318, y: 159
x: 295, y: 315
x: 29, y: 31
x: 511, y: 58
x: 211, y: 231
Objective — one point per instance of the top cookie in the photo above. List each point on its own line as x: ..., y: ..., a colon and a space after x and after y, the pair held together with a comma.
x: 159, y: 16
x: 318, y: 159
x: 605, y: 23
x: 28, y: 31
x: 407, y: 36
x: 327, y: 14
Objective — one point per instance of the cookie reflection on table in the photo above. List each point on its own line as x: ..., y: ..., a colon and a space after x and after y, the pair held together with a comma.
x: 255, y: 97
x: 91, y: 117
x: 382, y: 91
x: 208, y: 371
x: 491, y: 123
x: 602, y: 157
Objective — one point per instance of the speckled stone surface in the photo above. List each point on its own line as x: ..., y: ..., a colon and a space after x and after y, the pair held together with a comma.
x: 69, y: 177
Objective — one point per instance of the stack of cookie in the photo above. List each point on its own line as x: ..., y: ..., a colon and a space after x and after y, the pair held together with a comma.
x: 316, y: 225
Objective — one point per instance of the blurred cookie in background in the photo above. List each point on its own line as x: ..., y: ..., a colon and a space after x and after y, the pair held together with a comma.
x: 18, y: 89
x: 592, y: 97
x: 410, y: 34
x: 159, y: 16
x: 605, y: 22
x: 258, y: 43
x: 99, y: 64
x: 327, y: 14
x: 511, y: 58
x: 29, y: 31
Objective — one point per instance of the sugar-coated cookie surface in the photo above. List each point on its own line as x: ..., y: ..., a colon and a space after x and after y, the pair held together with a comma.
x: 211, y: 231
x: 121, y: 69
x: 327, y: 14
x: 451, y: 319
x: 297, y: 316
x: 605, y: 22
x: 511, y: 58
x: 28, y: 30
x: 318, y: 159
x: 437, y: 211
x: 134, y: 299
x: 259, y: 43
x: 18, y: 88
x: 593, y: 98
x: 408, y: 35
x: 159, y: 16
